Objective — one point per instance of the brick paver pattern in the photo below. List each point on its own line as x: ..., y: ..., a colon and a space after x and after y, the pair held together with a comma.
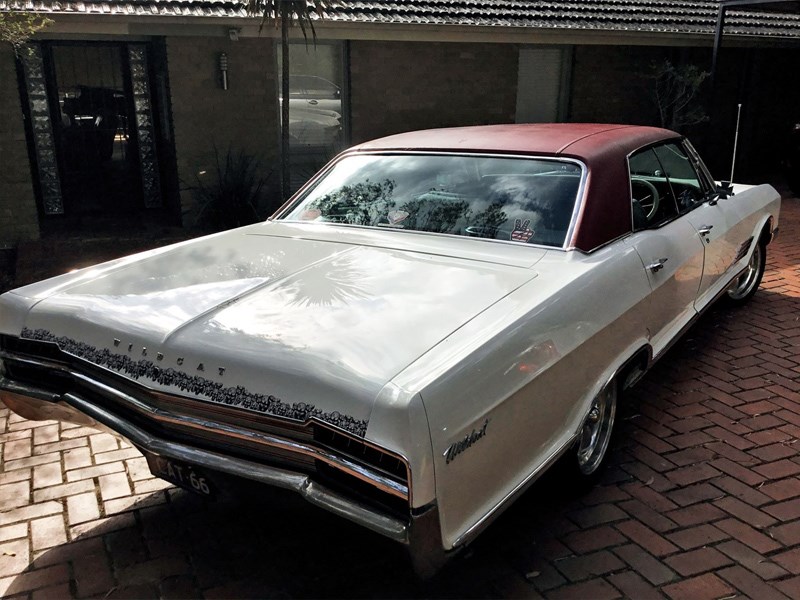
x: 701, y: 499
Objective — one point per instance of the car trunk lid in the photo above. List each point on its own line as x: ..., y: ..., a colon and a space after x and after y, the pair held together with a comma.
x: 313, y: 322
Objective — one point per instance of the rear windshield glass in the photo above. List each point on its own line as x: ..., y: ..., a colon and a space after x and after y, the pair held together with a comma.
x: 526, y: 200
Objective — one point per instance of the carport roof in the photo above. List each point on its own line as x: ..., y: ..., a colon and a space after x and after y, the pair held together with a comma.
x: 641, y: 16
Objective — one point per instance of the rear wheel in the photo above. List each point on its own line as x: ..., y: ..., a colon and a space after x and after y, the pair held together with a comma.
x: 744, y: 286
x: 595, y: 435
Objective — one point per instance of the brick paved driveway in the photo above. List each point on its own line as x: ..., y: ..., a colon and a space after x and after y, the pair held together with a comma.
x: 702, y: 499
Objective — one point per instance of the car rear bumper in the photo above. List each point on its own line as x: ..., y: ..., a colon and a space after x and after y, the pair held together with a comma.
x: 33, y: 404
x: 419, y: 530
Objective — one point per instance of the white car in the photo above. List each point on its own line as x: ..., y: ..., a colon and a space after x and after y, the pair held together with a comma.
x: 428, y: 325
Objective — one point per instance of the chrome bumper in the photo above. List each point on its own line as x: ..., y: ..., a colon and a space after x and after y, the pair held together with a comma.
x: 420, y: 532
x: 37, y: 404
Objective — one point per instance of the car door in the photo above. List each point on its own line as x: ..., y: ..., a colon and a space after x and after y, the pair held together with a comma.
x: 697, y: 203
x: 670, y: 250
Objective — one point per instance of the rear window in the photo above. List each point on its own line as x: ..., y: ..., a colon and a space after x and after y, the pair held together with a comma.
x: 525, y: 200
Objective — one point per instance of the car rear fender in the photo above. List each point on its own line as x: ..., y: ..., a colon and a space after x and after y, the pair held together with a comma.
x: 625, y: 370
x: 506, y: 393
x: 625, y: 373
x: 632, y: 362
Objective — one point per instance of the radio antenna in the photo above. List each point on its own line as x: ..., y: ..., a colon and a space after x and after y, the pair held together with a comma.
x: 736, y: 140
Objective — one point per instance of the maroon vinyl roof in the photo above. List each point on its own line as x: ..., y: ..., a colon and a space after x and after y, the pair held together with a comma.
x: 606, y: 209
x: 579, y: 140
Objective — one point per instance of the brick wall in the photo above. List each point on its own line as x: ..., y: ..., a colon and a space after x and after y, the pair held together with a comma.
x: 762, y: 80
x: 245, y: 117
x: 18, y: 217
x: 609, y: 84
x: 401, y: 86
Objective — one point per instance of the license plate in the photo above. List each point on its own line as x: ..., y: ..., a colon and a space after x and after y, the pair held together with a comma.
x: 181, y: 474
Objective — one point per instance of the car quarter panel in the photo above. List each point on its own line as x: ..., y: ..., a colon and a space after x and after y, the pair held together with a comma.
x: 517, y: 380
x: 399, y: 421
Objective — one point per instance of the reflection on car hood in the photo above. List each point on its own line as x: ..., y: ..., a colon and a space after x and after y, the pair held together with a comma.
x: 281, y: 319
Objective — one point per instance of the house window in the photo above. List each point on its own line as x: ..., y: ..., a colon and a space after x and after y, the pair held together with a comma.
x: 317, y: 106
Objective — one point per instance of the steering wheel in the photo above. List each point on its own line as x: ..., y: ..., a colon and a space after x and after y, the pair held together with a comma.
x: 650, y: 197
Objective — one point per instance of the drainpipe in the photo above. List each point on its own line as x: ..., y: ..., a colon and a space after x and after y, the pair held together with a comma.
x: 717, y: 44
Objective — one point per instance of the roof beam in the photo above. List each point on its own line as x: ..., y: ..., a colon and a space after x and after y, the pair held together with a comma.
x: 724, y: 5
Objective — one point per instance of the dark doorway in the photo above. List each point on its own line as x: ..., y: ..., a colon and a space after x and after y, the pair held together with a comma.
x: 94, y: 138
x: 97, y: 139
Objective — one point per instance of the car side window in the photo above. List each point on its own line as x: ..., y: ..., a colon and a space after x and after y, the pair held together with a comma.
x: 652, y: 200
x: 687, y: 187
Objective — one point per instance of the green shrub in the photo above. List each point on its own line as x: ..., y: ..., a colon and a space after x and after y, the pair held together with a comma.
x: 230, y: 194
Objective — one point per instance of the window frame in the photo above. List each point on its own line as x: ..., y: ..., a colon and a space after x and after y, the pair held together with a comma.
x: 580, y: 196
x: 705, y: 187
x: 707, y: 184
x: 649, y: 148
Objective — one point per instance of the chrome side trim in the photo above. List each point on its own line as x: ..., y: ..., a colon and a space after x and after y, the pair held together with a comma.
x: 23, y: 399
x: 379, y: 481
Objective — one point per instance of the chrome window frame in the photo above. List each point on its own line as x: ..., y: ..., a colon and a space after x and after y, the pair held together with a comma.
x: 569, y: 234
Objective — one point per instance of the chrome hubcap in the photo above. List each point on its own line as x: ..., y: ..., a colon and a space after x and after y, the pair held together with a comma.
x: 596, y: 432
x: 746, y: 281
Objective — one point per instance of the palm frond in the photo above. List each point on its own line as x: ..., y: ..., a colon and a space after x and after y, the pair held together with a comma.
x: 298, y: 12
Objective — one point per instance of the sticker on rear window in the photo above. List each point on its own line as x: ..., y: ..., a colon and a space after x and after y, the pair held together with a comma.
x: 522, y: 230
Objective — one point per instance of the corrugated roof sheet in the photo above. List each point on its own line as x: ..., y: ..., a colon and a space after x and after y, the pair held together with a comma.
x: 656, y: 16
